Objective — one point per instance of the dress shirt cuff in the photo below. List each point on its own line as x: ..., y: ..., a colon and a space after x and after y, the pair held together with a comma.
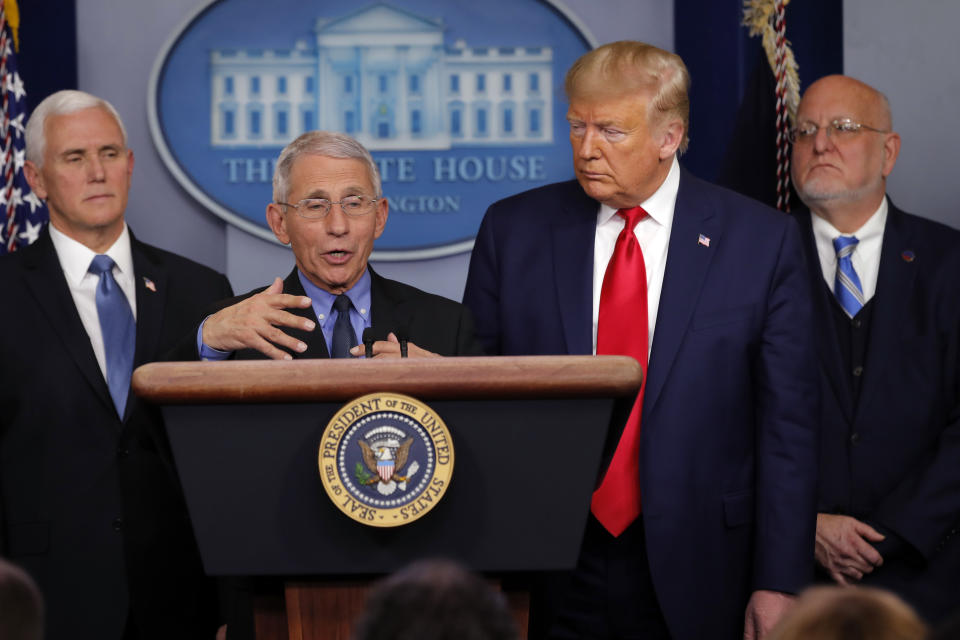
x: 209, y: 353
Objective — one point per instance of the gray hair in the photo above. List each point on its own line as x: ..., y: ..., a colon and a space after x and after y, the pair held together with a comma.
x: 62, y: 103
x: 321, y: 143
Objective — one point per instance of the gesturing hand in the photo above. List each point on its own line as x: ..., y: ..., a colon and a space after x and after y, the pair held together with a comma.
x: 390, y: 348
x: 253, y: 323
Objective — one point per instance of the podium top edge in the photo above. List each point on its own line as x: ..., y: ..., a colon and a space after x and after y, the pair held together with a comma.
x: 319, y: 380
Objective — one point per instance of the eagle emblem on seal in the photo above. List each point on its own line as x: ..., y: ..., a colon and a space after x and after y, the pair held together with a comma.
x: 385, y: 456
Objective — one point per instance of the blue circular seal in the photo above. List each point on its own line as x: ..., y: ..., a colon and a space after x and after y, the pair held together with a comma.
x: 386, y: 459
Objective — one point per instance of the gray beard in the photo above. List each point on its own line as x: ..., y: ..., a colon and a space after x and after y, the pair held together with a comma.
x: 809, y: 196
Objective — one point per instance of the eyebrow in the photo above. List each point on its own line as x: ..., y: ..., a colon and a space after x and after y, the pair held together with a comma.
x: 82, y: 151
x: 603, y: 124
x: 348, y: 191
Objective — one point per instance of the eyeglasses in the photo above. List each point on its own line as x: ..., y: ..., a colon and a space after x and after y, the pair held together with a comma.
x: 316, y: 208
x: 842, y: 128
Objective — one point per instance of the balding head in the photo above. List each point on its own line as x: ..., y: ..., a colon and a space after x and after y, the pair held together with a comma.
x: 859, y: 96
x: 840, y: 173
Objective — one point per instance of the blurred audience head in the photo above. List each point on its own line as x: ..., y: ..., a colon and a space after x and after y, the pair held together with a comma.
x: 21, y: 607
x: 849, y: 613
x: 435, y: 600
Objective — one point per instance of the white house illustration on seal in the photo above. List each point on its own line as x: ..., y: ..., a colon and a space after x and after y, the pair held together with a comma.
x: 383, y: 75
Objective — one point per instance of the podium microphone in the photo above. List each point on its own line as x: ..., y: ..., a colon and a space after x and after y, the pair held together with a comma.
x: 403, y: 336
x: 369, y: 337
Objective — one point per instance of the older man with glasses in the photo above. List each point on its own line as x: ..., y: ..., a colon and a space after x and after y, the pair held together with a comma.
x: 329, y: 207
x: 887, y: 314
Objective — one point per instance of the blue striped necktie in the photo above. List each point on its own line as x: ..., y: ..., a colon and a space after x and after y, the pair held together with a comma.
x: 118, y: 329
x: 847, y: 285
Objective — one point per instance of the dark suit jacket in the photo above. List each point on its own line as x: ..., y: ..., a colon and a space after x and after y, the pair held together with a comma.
x: 89, y: 504
x: 430, y: 321
x: 728, y: 444
x: 894, y: 458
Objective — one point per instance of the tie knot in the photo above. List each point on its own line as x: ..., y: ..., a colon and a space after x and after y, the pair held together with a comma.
x: 632, y: 215
x: 101, y: 264
x: 844, y: 245
x: 341, y: 303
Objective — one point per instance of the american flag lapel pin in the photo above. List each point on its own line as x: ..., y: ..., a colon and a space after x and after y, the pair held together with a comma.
x: 148, y: 283
x: 703, y: 240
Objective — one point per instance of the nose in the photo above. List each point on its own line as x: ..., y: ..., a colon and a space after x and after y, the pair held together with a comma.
x: 822, y: 141
x: 589, y: 149
x: 95, y: 169
x: 336, y: 221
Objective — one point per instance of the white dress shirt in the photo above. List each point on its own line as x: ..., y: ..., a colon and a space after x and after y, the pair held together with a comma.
x: 75, y: 259
x: 865, y: 256
x: 653, y: 234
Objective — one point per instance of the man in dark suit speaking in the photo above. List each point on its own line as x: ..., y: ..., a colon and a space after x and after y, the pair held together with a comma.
x: 89, y: 503
x: 329, y: 207
x: 887, y: 303
x: 705, y: 510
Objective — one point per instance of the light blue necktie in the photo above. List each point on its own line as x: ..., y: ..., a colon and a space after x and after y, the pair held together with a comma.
x: 847, y: 285
x: 343, y: 336
x: 118, y: 329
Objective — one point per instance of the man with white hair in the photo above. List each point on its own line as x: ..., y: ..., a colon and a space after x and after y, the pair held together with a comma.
x: 89, y: 503
x: 329, y: 207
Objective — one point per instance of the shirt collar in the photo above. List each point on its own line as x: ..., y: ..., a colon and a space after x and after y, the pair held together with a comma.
x: 75, y: 257
x: 824, y: 232
x: 658, y: 206
x: 359, y: 295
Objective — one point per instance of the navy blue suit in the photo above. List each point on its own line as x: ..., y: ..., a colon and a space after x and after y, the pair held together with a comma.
x: 729, y: 440
x: 90, y: 504
x: 893, y: 458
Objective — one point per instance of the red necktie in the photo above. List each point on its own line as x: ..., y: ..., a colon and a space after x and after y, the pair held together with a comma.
x: 622, y: 330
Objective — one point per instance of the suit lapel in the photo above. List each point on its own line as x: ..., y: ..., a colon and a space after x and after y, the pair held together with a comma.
x: 316, y: 343
x: 687, y: 264
x: 49, y: 287
x: 828, y: 345
x: 151, y: 300
x: 895, y: 283
x: 388, y: 313
x: 573, y: 240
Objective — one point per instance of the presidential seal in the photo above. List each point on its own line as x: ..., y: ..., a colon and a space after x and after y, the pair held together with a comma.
x: 386, y: 459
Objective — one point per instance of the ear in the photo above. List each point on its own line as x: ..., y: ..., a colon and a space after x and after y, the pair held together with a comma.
x: 129, y: 164
x: 35, y: 179
x: 671, y: 137
x: 891, y: 149
x: 278, y: 222
x: 383, y: 207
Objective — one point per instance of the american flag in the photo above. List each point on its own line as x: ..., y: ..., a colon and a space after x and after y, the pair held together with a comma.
x: 23, y: 213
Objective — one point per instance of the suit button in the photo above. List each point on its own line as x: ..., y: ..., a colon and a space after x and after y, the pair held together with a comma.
x: 857, y: 323
x: 858, y: 371
x: 118, y: 524
x: 123, y: 452
x: 855, y: 438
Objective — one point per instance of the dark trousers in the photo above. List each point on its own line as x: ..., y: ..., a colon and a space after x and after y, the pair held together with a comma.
x: 608, y: 596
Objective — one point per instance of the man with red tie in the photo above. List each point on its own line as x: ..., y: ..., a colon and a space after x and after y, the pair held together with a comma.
x: 702, y: 520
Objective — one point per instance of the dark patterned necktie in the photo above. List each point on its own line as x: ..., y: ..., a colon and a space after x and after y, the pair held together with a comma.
x: 343, y: 336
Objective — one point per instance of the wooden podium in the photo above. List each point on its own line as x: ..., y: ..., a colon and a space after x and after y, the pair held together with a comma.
x: 528, y: 434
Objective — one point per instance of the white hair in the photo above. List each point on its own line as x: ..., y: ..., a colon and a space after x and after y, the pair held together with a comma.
x: 62, y: 103
x: 321, y: 143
